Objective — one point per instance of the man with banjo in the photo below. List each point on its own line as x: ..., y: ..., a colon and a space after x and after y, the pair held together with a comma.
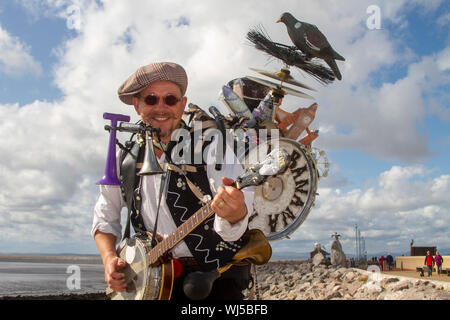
x: 157, y: 93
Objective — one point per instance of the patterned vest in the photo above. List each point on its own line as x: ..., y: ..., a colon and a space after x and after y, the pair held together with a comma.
x: 207, y: 247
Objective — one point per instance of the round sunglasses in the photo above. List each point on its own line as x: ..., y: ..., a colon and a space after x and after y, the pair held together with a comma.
x: 169, y: 99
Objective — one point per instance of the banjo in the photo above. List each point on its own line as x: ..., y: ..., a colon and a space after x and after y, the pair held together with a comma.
x: 149, y: 273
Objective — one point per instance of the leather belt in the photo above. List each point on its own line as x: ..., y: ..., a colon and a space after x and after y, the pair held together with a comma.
x: 188, y: 261
x: 191, y: 262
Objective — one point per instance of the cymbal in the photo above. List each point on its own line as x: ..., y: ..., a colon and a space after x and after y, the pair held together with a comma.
x: 284, y: 76
x: 285, y: 90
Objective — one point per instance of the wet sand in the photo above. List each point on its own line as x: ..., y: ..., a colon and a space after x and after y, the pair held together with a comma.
x: 51, y: 258
x: 88, y: 296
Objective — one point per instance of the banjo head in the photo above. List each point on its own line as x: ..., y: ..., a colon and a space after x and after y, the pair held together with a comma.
x: 144, y: 282
x: 282, y: 203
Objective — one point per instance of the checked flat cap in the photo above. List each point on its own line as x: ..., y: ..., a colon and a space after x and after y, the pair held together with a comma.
x: 146, y: 75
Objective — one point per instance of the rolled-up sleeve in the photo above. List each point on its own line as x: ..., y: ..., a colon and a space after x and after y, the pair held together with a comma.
x: 107, y: 212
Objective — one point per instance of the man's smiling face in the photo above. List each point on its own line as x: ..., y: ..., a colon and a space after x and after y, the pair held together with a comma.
x: 160, y: 115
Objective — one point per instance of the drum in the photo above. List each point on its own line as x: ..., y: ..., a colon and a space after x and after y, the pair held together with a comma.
x: 282, y: 203
x: 144, y: 282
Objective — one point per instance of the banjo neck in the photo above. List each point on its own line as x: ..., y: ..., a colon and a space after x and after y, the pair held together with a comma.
x: 182, y: 231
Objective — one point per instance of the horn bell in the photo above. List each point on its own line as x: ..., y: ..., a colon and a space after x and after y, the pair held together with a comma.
x: 150, y: 165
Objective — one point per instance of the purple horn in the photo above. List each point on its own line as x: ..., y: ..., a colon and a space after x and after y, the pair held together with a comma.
x: 110, y: 176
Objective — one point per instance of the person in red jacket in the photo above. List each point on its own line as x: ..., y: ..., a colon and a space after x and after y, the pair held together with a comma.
x: 429, y: 260
x: 382, y: 263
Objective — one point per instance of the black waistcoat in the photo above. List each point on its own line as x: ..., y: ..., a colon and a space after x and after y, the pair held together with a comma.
x: 207, y: 247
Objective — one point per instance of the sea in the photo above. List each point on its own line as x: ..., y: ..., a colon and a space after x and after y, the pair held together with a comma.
x: 42, y: 277
x: 52, y: 275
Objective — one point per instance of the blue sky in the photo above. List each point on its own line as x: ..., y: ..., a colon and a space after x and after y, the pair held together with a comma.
x: 42, y: 36
x: 385, y: 126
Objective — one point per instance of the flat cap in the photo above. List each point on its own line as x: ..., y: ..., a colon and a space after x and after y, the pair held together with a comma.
x: 146, y: 75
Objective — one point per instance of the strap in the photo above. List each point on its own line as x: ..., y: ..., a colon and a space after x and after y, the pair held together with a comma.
x: 253, y: 292
x: 192, y: 186
x: 127, y: 176
x: 182, y: 169
x: 162, y: 189
x: 196, y: 191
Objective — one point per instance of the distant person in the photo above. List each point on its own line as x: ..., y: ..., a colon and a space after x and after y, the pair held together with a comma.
x: 382, y: 263
x: 389, y: 261
x: 438, y: 260
x: 429, y: 261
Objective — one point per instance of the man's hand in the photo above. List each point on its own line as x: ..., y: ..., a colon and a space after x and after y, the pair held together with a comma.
x: 111, y: 262
x: 113, y: 277
x: 229, y: 202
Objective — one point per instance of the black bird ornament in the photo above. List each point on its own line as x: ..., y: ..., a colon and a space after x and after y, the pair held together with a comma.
x: 308, y: 39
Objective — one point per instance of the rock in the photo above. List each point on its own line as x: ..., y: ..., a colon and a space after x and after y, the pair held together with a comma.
x: 373, y: 287
x: 336, y: 275
x: 401, y: 286
x: 306, y: 281
x: 334, y: 294
x: 363, y: 278
x: 304, y: 286
x: 386, y: 281
x: 291, y: 296
x: 342, y: 270
x: 350, y: 276
x: 353, y: 287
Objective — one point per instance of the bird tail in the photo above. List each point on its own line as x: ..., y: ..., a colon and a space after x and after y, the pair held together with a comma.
x: 334, y: 67
x: 337, y: 56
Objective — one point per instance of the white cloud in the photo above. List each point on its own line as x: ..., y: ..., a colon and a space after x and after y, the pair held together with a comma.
x: 444, y: 19
x: 387, y: 122
x: 15, y: 57
x: 54, y: 152
x: 405, y: 203
x: 443, y: 59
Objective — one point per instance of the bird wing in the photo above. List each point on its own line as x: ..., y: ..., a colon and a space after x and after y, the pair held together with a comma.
x: 315, y: 39
x: 296, y: 39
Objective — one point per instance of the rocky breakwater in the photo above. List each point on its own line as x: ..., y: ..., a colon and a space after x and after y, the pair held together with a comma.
x: 296, y: 280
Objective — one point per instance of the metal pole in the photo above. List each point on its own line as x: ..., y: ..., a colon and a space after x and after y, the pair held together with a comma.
x: 359, y: 245
x: 356, y: 242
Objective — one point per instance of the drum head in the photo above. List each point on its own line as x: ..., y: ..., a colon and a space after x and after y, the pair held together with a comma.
x: 143, y: 281
x: 283, y: 202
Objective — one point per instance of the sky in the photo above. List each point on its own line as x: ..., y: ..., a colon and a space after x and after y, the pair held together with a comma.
x: 384, y: 127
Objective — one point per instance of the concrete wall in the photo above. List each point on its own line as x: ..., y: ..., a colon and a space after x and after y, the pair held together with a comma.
x: 410, y: 263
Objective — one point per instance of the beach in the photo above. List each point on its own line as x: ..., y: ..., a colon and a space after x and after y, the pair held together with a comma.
x: 34, y: 276
x: 288, y: 280
x: 69, y: 259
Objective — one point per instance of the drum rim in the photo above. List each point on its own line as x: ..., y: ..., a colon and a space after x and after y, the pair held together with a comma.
x: 144, y: 241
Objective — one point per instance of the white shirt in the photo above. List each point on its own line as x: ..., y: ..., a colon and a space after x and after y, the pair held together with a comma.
x: 107, y: 211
